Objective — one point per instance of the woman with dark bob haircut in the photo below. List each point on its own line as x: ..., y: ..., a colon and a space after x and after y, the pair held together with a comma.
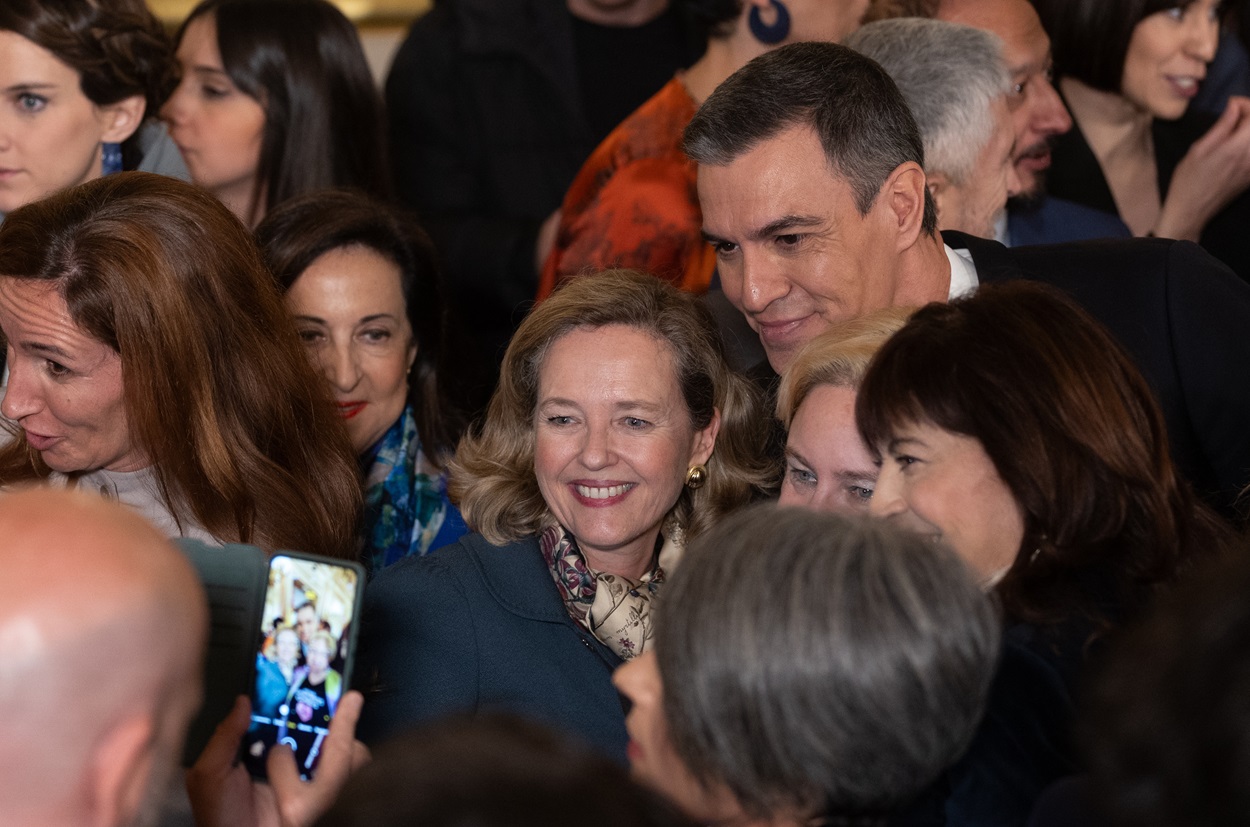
x: 1127, y: 70
x: 809, y: 668
x: 361, y: 282
x: 1011, y: 426
x: 276, y: 100
x: 151, y: 359
x: 617, y: 432
x: 81, y: 79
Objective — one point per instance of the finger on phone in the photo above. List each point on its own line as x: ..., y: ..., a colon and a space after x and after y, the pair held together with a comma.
x: 224, y: 745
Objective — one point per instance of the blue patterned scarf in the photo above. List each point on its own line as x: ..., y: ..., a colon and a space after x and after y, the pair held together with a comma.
x: 406, y: 509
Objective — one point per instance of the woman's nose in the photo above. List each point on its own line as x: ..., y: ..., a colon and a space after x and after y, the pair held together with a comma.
x: 174, y: 110
x: 597, y: 449
x: 21, y: 397
x: 887, y: 500
x: 341, y: 367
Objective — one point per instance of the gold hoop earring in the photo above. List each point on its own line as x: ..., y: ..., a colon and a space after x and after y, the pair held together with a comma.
x: 696, y: 476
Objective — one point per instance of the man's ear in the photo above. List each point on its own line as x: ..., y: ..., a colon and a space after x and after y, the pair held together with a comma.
x: 121, y: 770
x: 904, y: 196
x: 118, y: 121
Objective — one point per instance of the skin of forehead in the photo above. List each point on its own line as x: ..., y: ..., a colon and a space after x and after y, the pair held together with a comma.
x: 1011, y: 20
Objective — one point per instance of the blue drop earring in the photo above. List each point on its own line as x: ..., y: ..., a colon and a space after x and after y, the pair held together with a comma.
x: 777, y: 32
x: 112, y: 158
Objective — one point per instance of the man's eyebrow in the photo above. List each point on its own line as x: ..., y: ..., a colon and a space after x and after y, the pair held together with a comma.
x: 784, y: 224
x: 778, y: 226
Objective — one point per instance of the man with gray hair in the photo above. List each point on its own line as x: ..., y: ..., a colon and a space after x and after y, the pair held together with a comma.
x: 815, y: 199
x: 955, y: 82
x: 102, y: 631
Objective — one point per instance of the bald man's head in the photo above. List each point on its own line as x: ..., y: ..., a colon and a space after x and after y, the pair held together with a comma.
x: 102, y: 631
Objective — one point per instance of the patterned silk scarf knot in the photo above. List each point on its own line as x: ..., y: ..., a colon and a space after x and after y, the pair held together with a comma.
x: 615, y: 609
x: 404, y: 506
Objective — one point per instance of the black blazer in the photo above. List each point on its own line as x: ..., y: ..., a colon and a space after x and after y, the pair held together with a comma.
x: 1185, y: 319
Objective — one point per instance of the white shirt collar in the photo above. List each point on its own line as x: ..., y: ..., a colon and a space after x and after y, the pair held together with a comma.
x: 963, y: 272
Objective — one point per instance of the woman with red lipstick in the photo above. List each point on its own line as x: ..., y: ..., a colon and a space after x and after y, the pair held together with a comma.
x: 1127, y: 70
x: 616, y: 433
x: 81, y: 83
x: 361, y: 282
x: 150, y: 359
x: 809, y: 669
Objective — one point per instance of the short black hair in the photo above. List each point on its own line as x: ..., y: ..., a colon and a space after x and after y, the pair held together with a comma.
x: 855, y: 108
x: 1089, y: 38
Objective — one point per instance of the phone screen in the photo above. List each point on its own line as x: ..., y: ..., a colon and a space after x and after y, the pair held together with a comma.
x: 303, y: 657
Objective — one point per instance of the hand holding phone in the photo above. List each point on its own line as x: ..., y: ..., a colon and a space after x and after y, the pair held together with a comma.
x: 224, y: 794
x: 303, y: 659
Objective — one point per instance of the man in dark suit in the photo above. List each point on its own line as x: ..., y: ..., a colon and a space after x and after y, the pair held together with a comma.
x: 814, y: 196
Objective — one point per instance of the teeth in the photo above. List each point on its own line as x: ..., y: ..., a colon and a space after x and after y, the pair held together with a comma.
x: 602, y: 493
x: 1185, y: 83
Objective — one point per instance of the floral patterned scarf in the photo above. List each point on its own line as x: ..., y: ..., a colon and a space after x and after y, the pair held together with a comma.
x: 615, y: 609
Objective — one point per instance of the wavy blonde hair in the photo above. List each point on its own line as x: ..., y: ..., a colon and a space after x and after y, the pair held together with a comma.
x: 492, y: 476
x: 837, y: 357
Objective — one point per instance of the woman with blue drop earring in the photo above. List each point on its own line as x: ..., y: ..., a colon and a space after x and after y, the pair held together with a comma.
x: 81, y: 80
x: 633, y: 203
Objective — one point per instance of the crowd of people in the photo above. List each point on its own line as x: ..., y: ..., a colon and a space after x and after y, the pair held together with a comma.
x: 827, y: 409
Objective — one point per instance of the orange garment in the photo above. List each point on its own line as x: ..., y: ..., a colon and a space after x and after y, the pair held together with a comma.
x: 633, y: 203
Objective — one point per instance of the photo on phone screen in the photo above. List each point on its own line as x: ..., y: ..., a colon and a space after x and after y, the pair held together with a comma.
x: 303, y: 659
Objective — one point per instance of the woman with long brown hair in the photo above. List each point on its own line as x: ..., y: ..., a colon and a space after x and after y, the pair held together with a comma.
x: 150, y: 358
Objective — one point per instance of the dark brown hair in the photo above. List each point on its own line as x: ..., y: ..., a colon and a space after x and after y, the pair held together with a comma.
x: 1072, y: 429
x: 303, y: 62
x: 302, y: 230
x: 494, y: 769
x: 219, y: 394
x: 117, y: 47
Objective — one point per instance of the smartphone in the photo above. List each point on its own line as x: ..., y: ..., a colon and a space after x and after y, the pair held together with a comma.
x: 305, y: 647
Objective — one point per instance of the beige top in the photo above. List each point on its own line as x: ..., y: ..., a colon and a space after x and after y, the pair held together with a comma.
x: 139, y: 490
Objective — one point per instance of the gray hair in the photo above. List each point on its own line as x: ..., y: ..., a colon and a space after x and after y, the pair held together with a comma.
x: 863, y: 122
x: 950, y: 75
x: 822, y: 662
